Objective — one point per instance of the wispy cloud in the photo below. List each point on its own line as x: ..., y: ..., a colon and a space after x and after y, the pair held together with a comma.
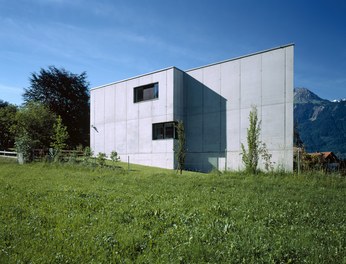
x: 11, y: 94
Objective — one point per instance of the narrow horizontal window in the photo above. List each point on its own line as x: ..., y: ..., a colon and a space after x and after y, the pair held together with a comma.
x: 146, y: 92
x: 164, y: 130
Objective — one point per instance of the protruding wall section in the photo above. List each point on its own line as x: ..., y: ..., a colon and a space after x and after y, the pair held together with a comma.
x: 264, y: 80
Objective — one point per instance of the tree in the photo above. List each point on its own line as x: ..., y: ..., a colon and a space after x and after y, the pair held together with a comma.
x: 35, y: 121
x: 297, y: 141
x: 256, y: 148
x: 60, y: 135
x: 180, y: 151
x: 65, y: 94
x: 7, y: 122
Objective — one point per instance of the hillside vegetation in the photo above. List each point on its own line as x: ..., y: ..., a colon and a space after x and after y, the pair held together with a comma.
x: 321, y: 123
x: 73, y: 214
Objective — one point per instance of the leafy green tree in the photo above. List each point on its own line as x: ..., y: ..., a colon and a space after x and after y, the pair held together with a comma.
x: 7, y: 123
x: 255, y: 148
x: 65, y: 94
x: 60, y: 135
x: 180, y: 150
x: 297, y: 141
x: 35, y: 121
x: 250, y: 157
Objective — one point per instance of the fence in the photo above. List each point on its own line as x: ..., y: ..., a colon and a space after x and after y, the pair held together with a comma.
x: 8, y: 154
x: 39, y: 154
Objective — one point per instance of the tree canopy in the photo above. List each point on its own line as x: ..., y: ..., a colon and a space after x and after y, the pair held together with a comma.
x: 35, y: 121
x: 65, y: 94
x: 7, y: 123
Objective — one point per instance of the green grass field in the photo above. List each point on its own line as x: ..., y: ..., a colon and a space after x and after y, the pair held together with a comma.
x: 75, y: 214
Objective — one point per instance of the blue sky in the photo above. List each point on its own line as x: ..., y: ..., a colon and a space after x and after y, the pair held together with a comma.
x: 115, y: 40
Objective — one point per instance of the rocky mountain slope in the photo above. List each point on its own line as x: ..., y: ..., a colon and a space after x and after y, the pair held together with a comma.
x: 321, y: 123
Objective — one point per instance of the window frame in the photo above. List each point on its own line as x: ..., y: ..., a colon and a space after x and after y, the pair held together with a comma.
x: 164, y: 125
x: 138, y: 92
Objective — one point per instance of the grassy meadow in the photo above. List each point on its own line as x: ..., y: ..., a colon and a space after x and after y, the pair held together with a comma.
x: 78, y: 214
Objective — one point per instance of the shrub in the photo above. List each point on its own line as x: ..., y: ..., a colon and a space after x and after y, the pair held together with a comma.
x: 114, y: 156
x: 23, y: 146
x: 88, y: 153
x: 101, y: 159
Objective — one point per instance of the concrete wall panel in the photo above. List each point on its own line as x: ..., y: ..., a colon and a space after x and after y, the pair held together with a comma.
x: 131, y: 107
x: 159, y: 107
x: 99, y: 115
x: 143, y: 159
x: 212, y: 78
x: 109, y: 107
x: 169, y: 92
x: 146, y: 79
x: 159, y: 160
x: 145, y: 135
x: 99, y: 142
x: 233, y: 130
x: 159, y: 146
x: 109, y: 135
x: 121, y: 137
x: 193, y: 131
x: 211, y: 101
x: 197, y: 74
x: 230, y: 84
x: 145, y: 109
x: 289, y: 126
x: 234, y: 161
x: 273, y: 77
x: 120, y: 102
x: 251, y: 81
x: 289, y: 74
x: 132, y: 136
x: 273, y: 126
x: 178, y: 95
x: 194, y: 96
x: 211, y: 132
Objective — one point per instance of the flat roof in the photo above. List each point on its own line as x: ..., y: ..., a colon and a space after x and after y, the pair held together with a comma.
x: 135, y: 77
x: 241, y: 57
x: 200, y: 67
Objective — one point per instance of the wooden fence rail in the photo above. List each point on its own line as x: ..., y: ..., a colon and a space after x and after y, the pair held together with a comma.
x: 8, y: 154
x: 40, y: 153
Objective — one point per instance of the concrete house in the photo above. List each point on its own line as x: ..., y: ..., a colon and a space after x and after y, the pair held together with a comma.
x: 136, y: 117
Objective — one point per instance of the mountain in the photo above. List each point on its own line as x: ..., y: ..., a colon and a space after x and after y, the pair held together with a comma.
x: 321, y: 123
x: 305, y: 96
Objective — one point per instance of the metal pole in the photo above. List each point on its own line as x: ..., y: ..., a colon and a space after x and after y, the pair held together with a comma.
x: 225, y: 159
x: 298, y: 163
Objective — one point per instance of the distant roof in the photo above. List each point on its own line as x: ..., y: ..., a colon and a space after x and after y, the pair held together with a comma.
x: 325, y: 155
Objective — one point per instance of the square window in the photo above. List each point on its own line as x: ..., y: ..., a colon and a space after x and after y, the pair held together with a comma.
x: 164, y: 130
x: 146, y: 92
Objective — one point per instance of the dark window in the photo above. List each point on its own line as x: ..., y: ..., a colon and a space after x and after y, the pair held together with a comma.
x: 146, y: 92
x: 164, y: 130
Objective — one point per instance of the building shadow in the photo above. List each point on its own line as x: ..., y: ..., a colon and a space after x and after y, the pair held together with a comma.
x: 205, y: 126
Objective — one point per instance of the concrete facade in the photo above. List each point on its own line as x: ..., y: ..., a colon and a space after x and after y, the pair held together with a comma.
x: 213, y: 101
